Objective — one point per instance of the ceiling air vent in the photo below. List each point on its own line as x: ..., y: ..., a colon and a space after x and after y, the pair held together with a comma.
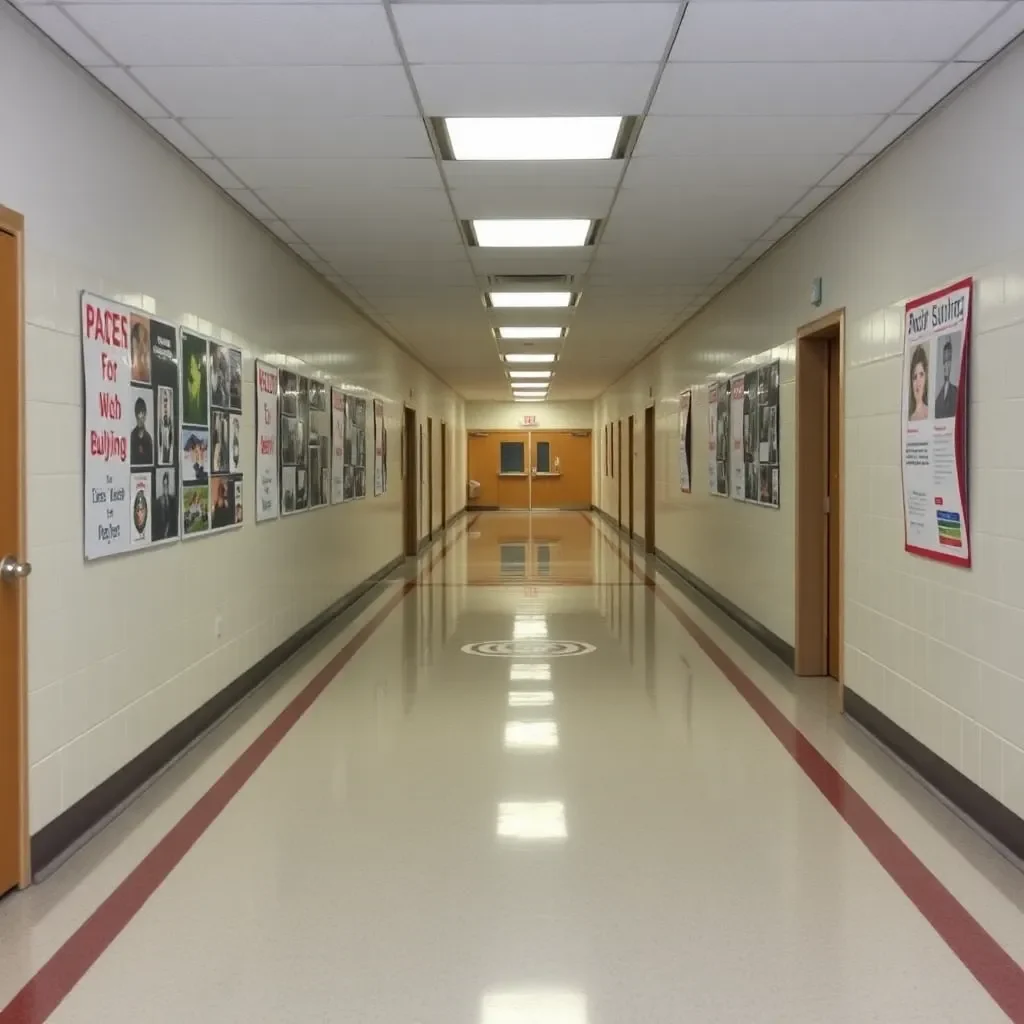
x: 552, y: 281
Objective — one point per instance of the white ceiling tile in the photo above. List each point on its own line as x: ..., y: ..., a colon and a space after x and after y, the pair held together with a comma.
x: 846, y: 169
x: 238, y: 34
x: 944, y: 82
x: 218, y: 172
x: 532, y: 202
x: 536, y: 90
x: 534, y: 34
x: 1002, y: 31
x: 67, y: 35
x: 396, y: 206
x: 313, y: 138
x: 789, y: 89
x: 252, y: 203
x: 814, y: 198
x: 328, y: 92
x: 543, y: 174
x: 887, y: 132
x: 368, y: 173
x: 283, y: 231
x: 122, y: 85
x: 178, y: 136
x: 781, y: 227
x: 734, y: 136
x: 719, y: 171
x: 839, y: 30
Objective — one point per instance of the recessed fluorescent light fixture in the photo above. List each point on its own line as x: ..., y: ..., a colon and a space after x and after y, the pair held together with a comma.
x: 533, y: 138
x: 529, y: 333
x: 529, y: 300
x: 529, y: 357
x: 542, y: 393
x: 531, y: 234
x: 529, y: 374
x: 529, y: 399
x: 530, y: 385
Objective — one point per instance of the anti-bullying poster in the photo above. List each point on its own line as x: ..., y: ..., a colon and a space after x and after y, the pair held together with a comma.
x: 936, y: 350
x: 684, y: 441
x: 268, y: 494
x: 130, y: 372
x: 380, y: 449
x: 338, y: 446
x: 211, y: 435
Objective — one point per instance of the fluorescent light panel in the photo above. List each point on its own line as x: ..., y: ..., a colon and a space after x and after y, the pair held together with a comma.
x: 519, y: 234
x: 521, y: 333
x: 529, y: 357
x: 529, y: 300
x: 533, y: 138
x: 529, y: 374
x: 529, y: 399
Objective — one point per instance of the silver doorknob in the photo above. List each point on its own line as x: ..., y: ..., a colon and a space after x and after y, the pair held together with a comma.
x: 11, y: 569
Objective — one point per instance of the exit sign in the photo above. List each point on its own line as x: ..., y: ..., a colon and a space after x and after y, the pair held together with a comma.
x: 529, y: 421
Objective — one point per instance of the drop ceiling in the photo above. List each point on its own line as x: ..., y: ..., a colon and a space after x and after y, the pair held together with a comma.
x: 315, y: 118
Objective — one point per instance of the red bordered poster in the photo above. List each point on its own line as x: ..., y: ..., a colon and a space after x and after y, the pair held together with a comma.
x: 936, y: 357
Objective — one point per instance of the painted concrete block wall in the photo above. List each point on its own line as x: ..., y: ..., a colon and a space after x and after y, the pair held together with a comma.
x: 119, y: 651
x: 936, y: 648
x: 509, y: 415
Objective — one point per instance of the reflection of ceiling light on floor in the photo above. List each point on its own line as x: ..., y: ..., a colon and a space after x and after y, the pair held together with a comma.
x: 530, y: 627
x: 534, y: 1006
x: 530, y: 698
x: 541, y: 672
x: 531, y: 735
x: 540, y: 819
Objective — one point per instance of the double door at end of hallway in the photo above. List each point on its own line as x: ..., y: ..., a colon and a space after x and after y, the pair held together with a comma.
x: 530, y: 469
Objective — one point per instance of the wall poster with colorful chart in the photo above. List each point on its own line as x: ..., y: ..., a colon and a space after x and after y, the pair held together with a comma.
x: 760, y: 433
x: 718, y: 438
x: 684, y: 441
x: 936, y: 357
x: 380, y: 449
x: 211, y: 435
x: 130, y: 374
x: 268, y: 490
x: 355, y: 448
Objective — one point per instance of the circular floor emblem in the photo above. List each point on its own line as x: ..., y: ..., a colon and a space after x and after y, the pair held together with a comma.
x: 528, y: 648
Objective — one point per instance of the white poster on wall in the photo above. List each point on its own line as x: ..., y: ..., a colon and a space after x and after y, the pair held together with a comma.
x: 338, y: 448
x: 736, y: 470
x: 936, y: 356
x: 712, y: 417
x: 268, y: 492
x: 684, y: 441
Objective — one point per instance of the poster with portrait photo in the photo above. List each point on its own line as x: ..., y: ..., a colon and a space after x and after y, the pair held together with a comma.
x: 237, y: 499
x: 935, y: 405
x: 195, y: 510
x: 142, y: 510
x: 762, y: 449
x: 684, y: 441
x: 719, y: 398
x: 338, y: 446
x: 314, y: 475
x: 355, y: 445
x: 289, y: 393
x: 737, y: 402
x: 165, y: 505
x: 319, y: 442
x: 130, y: 371
x: 287, y: 489
x: 294, y: 440
x: 380, y: 449
x: 301, y: 490
x: 211, y: 374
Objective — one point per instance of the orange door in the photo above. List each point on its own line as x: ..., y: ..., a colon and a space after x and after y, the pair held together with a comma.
x: 561, y: 465
x: 513, y: 470
x: 12, y: 591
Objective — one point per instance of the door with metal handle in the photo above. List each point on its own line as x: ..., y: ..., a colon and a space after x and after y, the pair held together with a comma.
x: 11, y: 569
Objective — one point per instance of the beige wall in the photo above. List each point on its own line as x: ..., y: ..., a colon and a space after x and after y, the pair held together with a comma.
x: 509, y: 415
x: 936, y: 648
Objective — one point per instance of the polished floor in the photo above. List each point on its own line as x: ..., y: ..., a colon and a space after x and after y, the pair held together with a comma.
x: 527, y: 781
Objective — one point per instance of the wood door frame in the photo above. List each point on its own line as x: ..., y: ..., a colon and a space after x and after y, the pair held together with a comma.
x: 649, y: 478
x: 444, y: 474
x: 811, y: 649
x: 410, y: 544
x: 631, y: 469
x: 618, y: 475
x: 430, y: 477
x: 13, y: 223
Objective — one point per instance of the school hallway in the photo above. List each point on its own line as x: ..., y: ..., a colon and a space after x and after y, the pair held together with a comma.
x: 525, y: 782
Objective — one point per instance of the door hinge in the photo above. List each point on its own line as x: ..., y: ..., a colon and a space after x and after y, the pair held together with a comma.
x: 828, y: 505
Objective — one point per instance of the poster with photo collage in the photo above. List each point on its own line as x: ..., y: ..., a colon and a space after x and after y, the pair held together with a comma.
x: 380, y: 449
x: 210, y: 436
x: 760, y: 403
x: 130, y: 373
x: 354, y: 467
x: 305, y: 443
x: 718, y: 438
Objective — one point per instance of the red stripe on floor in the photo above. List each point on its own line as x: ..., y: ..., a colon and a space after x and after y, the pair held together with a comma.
x: 996, y: 971
x: 59, y: 975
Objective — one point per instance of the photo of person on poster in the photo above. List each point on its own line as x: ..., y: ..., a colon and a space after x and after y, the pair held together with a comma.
x: 165, y: 508
x: 141, y: 352
x: 165, y: 426
x: 946, y: 397
x: 220, y: 376
x: 222, y: 514
x: 219, y: 462
x: 194, y: 380
x: 918, y: 385
x: 141, y: 437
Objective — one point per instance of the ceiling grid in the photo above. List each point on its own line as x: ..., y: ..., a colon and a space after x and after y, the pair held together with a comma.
x: 318, y: 119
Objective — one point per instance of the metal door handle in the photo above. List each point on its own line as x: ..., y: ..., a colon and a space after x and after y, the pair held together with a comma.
x: 11, y: 569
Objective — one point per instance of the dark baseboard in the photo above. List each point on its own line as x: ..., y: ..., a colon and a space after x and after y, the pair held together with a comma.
x: 67, y: 831
x: 482, y: 508
x: 994, y: 817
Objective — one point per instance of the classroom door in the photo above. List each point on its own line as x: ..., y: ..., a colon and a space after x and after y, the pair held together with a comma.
x: 13, y: 861
x: 560, y: 461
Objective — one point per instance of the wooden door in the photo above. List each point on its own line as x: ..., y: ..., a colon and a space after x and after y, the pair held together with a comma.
x: 631, y: 460
x: 13, y: 832
x: 649, y: 478
x: 835, y: 504
x: 444, y: 474
x: 618, y: 475
x: 430, y: 477
x: 513, y: 486
x: 410, y: 514
x: 561, y: 464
